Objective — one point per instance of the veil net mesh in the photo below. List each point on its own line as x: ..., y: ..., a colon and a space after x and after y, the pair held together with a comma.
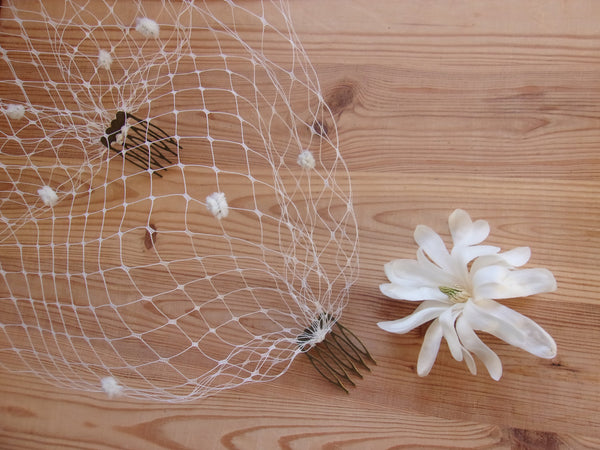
x: 188, y: 255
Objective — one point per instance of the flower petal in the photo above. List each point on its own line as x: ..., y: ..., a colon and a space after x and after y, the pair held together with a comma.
x: 469, y: 361
x: 498, y: 282
x: 510, y: 326
x: 433, y: 245
x: 447, y: 319
x: 438, y: 276
x: 411, y: 280
x: 510, y: 259
x: 430, y: 348
x: 464, y: 231
x: 408, y: 272
x: 485, y: 261
x: 414, y: 294
x: 424, y: 313
x: 516, y: 257
x: 471, y: 341
x: 467, y: 254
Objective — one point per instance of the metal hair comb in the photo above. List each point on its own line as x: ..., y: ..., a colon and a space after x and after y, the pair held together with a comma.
x: 140, y: 142
x: 339, y: 356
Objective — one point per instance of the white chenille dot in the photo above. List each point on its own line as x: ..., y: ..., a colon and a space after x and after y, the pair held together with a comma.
x: 48, y: 195
x: 147, y: 27
x: 111, y: 387
x: 104, y: 60
x: 120, y: 138
x: 217, y: 205
x: 15, y: 112
x: 306, y: 160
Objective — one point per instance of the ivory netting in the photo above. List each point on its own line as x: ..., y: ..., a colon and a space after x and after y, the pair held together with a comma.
x: 175, y: 210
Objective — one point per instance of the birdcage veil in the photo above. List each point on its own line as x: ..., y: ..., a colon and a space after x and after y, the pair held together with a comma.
x: 175, y: 210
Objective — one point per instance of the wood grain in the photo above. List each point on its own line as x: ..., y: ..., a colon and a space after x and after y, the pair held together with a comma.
x: 488, y: 106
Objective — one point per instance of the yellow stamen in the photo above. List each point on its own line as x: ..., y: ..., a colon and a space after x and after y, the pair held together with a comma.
x: 455, y: 294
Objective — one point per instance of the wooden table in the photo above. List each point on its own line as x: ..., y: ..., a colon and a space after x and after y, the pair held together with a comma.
x: 491, y: 106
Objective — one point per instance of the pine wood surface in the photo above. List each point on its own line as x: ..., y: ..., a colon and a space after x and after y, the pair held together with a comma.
x: 492, y: 107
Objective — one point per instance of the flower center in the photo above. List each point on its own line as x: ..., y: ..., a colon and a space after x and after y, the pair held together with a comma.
x: 455, y: 294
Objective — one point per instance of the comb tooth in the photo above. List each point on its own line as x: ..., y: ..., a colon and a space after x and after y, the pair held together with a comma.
x: 340, y: 360
x: 359, y: 349
x: 327, y: 371
x: 341, y: 355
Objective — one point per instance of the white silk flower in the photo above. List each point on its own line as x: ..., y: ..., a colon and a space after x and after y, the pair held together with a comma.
x: 458, y: 290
